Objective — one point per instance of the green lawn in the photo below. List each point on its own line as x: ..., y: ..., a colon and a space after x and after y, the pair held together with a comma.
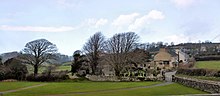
x: 173, y: 89
x: 208, y: 64
x: 69, y: 87
x: 63, y: 68
x: 67, y: 63
x: 4, y: 86
x: 40, y: 70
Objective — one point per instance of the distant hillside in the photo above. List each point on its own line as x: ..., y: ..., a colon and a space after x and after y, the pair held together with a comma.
x: 9, y: 55
x: 60, y: 59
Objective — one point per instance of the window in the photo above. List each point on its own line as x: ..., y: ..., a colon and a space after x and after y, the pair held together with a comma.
x: 166, y: 62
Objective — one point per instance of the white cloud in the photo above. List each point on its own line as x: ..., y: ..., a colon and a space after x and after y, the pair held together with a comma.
x: 124, y: 20
x: 36, y: 28
x: 141, y: 22
x: 94, y: 23
x: 101, y: 22
x: 183, y: 3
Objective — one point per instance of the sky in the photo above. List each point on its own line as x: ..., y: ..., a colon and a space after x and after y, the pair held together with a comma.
x: 70, y: 23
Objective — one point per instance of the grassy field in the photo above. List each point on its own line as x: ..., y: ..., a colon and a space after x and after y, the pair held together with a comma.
x: 96, y: 89
x: 40, y: 70
x: 67, y: 63
x: 173, y: 89
x: 4, y: 86
x: 63, y: 68
x: 208, y: 64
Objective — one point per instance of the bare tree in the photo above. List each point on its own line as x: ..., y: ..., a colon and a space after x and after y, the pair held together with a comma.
x: 37, y: 52
x: 118, y: 48
x: 93, y: 48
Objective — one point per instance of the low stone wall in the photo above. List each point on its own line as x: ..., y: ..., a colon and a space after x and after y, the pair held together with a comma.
x: 112, y: 78
x: 204, y: 85
x: 102, y: 78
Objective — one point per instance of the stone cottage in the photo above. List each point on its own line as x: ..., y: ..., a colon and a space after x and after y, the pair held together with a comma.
x: 164, y: 60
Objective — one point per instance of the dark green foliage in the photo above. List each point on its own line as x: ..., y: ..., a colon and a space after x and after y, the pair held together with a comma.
x: 80, y: 79
x: 199, y: 72
x: 78, y: 62
x: 207, y: 58
x: 217, y: 74
x: 192, y: 72
x: 54, y: 76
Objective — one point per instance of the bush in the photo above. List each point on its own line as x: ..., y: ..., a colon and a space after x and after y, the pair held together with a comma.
x: 80, y: 79
x: 3, y: 72
x: 54, y: 76
x: 217, y: 74
x: 13, y: 69
x: 192, y: 72
x: 199, y: 72
x: 207, y: 58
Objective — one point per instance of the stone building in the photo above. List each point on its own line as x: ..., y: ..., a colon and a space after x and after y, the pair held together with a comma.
x: 164, y: 60
x: 182, y: 56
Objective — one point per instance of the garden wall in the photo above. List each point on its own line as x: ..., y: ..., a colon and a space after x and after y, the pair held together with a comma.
x: 102, y: 78
x: 115, y: 78
x: 204, y: 85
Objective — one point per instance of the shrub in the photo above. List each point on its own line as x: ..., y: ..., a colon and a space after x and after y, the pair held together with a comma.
x: 217, y: 74
x: 13, y: 69
x: 192, y: 72
x: 199, y: 72
x: 141, y: 78
x: 80, y: 79
x: 53, y: 76
x: 2, y: 72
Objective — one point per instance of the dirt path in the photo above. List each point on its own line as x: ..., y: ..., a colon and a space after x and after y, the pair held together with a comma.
x: 15, y: 90
x: 113, y: 90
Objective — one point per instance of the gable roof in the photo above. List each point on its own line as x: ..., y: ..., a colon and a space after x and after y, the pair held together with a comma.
x: 162, y: 55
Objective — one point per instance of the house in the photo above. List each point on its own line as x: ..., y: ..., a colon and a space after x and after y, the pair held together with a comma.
x: 164, y: 60
x: 182, y: 56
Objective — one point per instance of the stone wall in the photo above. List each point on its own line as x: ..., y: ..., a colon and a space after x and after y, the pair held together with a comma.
x: 102, y: 78
x: 204, y: 85
x: 115, y: 78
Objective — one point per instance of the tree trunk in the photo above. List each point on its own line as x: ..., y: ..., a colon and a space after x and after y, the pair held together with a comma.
x: 35, y: 70
x: 93, y: 69
x: 117, y: 72
x: 72, y: 70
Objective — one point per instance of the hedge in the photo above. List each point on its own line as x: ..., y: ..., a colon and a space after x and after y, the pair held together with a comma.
x: 199, y: 72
